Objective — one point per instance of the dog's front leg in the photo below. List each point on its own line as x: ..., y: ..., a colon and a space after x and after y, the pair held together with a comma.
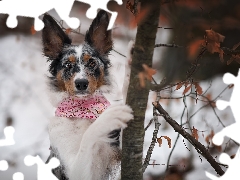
x: 95, y: 153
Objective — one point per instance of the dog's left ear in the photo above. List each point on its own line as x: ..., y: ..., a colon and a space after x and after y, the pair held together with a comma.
x: 98, y: 36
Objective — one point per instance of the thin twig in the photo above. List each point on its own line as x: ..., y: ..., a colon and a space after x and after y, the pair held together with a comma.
x: 154, y: 138
x: 119, y: 53
x: 165, y: 28
x: 198, y: 146
x: 168, y: 45
x: 150, y: 122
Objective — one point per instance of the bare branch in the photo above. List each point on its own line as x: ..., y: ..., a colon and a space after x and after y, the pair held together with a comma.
x: 198, y: 146
x: 168, y: 45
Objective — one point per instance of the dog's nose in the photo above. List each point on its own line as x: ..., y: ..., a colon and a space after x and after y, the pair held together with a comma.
x: 81, y: 84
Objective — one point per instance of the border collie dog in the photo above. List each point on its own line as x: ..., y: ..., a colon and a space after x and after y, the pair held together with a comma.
x: 84, y: 133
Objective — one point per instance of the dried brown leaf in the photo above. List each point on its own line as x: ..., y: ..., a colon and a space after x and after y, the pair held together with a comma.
x: 159, y: 140
x: 213, y: 40
x: 195, y: 133
x: 168, y: 140
x: 179, y: 86
x: 214, y: 36
x: 149, y: 72
x: 198, y: 88
x: 187, y: 89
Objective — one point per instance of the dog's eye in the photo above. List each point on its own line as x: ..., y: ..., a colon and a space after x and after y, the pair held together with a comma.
x: 91, y: 63
x: 68, y: 65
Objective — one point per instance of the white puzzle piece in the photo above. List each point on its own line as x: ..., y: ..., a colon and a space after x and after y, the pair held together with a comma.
x: 3, y: 165
x: 35, y: 8
x: 44, y: 170
x: 8, y: 141
x: 96, y: 4
x: 232, y: 131
x: 18, y: 176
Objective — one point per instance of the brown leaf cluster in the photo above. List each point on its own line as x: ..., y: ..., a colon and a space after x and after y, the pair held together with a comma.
x: 213, y: 40
x: 159, y: 140
x: 147, y: 73
x: 188, y: 86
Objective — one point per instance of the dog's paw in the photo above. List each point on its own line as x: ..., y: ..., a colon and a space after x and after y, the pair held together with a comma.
x: 115, y: 117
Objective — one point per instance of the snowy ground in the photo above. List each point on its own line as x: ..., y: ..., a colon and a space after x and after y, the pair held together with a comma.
x: 23, y: 96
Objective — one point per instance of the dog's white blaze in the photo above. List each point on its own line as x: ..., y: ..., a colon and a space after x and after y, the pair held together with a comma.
x: 81, y: 74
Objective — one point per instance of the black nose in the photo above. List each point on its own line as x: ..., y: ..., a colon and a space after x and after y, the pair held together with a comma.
x: 81, y: 84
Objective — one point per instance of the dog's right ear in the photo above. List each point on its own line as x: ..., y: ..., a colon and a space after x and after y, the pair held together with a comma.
x: 53, y: 38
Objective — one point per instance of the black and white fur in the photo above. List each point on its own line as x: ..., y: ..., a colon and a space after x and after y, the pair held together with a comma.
x: 87, y: 151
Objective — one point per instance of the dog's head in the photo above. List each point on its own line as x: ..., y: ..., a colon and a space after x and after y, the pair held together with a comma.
x: 78, y: 69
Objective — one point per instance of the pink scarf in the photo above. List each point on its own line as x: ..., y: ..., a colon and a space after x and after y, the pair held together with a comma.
x: 88, y: 108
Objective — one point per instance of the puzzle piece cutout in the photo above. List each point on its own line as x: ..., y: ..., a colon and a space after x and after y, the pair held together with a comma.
x: 8, y: 141
x: 233, y: 169
x: 231, y: 131
x: 35, y: 8
x: 96, y: 4
x: 44, y: 170
x: 18, y: 176
x: 3, y: 165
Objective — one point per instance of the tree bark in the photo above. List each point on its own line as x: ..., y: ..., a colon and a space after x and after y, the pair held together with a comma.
x: 137, y: 97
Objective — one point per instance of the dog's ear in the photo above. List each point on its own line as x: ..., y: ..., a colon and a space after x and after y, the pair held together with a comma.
x: 53, y: 38
x: 98, y: 36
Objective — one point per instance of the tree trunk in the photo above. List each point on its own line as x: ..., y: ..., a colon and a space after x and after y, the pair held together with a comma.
x: 137, y: 97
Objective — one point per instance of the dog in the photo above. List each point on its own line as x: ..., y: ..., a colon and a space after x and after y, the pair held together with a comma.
x: 84, y: 134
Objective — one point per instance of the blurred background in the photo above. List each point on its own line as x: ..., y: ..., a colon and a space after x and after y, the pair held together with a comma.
x: 25, y: 105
